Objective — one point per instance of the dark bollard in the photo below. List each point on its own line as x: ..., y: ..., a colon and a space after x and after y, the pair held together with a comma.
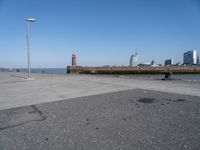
x: 167, y: 76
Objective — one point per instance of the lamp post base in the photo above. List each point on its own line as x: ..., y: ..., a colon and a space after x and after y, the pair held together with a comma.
x: 29, y: 79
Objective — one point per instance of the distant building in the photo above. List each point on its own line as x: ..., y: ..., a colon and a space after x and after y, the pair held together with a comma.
x: 73, y: 59
x: 178, y: 64
x: 149, y: 64
x: 190, y: 57
x: 134, y: 60
x: 198, y: 61
x: 144, y: 64
x: 169, y: 62
x: 153, y: 63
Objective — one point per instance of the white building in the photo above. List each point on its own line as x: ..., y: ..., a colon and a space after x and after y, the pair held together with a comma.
x: 190, y: 57
x: 134, y: 60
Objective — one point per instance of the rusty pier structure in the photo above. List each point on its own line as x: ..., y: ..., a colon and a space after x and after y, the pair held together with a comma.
x: 134, y: 70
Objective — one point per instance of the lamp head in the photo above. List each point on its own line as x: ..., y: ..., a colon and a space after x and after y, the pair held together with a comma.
x: 30, y: 19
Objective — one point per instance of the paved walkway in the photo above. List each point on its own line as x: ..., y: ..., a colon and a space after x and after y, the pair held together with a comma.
x: 97, y: 112
x: 17, y: 91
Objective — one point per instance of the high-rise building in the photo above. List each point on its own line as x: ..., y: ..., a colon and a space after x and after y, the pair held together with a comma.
x: 190, y: 57
x: 198, y: 61
x: 169, y: 62
x: 134, y: 60
x: 73, y: 59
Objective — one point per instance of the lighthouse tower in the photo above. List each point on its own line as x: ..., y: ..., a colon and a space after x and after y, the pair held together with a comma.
x: 73, y: 59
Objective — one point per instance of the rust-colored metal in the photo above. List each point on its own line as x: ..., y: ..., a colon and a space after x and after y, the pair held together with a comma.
x: 144, y: 69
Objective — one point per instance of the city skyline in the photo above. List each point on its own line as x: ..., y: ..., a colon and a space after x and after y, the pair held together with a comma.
x: 99, y: 32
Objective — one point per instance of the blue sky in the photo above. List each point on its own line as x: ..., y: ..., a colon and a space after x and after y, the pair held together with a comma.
x: 100, y: 32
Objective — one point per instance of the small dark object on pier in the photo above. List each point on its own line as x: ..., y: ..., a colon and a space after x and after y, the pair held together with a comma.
x: 167, y: 76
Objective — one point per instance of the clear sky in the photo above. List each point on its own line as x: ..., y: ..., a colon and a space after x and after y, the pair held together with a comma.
x: 100, y: 32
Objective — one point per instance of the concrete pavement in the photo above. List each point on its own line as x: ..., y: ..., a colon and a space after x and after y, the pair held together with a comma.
x: 16, y: 91
x: 80, y: 112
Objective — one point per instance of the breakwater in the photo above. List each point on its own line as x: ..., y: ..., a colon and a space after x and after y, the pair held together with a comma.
x: 134, y: 70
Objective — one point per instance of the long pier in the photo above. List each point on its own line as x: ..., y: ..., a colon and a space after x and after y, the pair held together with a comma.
x: 134, y: 70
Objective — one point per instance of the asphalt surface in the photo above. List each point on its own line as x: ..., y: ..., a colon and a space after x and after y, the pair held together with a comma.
x: 125, y: 120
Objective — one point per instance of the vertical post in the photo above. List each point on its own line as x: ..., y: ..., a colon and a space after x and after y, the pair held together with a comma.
x: 28, y: 49
x: 29, y: 20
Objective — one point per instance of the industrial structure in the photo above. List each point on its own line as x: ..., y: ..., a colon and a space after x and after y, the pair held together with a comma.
x: 190, y: 57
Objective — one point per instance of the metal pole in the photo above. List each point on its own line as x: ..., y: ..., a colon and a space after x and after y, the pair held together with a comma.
x: 28, y: 50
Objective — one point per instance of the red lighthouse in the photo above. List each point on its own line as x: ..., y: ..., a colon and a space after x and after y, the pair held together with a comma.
x: 73, y: 59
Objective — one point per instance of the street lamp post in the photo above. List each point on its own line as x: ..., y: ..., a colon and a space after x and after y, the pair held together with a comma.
x: 28, y: 20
